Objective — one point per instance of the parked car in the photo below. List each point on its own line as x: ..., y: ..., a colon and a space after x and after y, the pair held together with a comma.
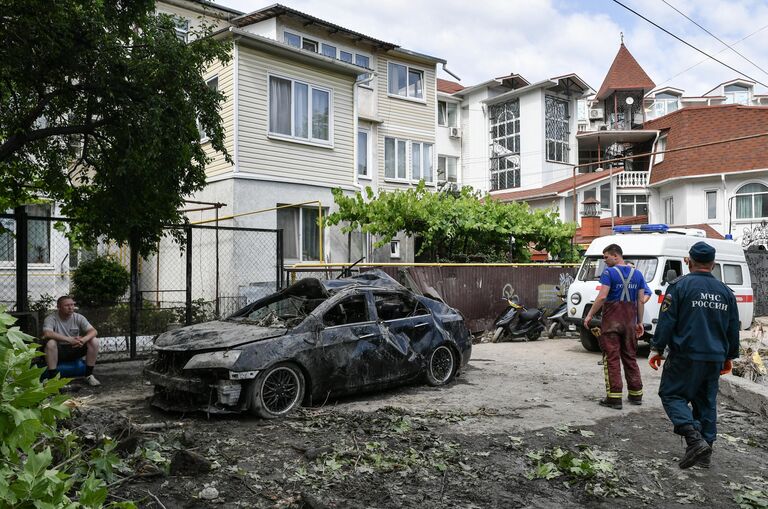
x: 313, y: 340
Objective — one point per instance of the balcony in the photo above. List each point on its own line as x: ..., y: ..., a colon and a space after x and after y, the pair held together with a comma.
x: 632, y: 179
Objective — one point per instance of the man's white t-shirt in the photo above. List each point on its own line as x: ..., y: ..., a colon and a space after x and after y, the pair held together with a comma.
x: 75, y: 325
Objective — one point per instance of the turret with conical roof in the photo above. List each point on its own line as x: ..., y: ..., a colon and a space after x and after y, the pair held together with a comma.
x: 623, y: 90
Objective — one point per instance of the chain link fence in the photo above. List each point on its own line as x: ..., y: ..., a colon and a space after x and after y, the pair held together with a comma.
x: 199, y: 273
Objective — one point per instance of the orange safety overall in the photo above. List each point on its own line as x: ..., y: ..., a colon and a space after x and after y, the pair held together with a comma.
x: 618, y: 341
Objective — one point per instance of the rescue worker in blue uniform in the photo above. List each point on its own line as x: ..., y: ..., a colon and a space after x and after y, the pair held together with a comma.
x: 699, y: 322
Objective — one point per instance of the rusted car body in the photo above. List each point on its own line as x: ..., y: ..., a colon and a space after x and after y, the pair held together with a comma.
x: 313, y: 340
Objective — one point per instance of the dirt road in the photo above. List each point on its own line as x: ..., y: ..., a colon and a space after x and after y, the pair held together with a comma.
x: 520, y: 428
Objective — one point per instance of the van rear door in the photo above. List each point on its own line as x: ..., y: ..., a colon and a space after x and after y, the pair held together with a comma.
x: 736, y: 276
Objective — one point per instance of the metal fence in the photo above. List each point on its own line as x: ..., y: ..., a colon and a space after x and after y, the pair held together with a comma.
x: 214, y: 271
x: 477, y: 290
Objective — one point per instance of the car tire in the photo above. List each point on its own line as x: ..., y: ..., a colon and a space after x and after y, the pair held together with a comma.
x: 442, y: 366
x: 498, y: 334
x: 277, y: 391
x: 588, y: 340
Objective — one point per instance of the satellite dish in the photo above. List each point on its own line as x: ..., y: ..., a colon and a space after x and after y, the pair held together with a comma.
x: 629, y: 100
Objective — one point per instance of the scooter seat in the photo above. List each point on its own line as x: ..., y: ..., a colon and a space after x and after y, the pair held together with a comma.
x: 530, y: 314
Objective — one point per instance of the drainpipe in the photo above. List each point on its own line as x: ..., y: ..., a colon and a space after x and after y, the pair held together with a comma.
x: 726, y: 205
x: 445, y: 68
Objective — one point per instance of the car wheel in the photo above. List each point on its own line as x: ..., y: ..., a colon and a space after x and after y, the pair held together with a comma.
x: 588, y: 340
x: 497, y: 335
x: 442, y: 366
x: 277, y: 391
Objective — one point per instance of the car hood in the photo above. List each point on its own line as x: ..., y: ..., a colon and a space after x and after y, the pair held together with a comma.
x: 215, y: 335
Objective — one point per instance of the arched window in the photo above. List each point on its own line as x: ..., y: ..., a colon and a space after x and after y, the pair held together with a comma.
x: 752, y: 201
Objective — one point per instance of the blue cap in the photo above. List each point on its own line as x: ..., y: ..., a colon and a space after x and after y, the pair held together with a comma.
x: 702, y: 252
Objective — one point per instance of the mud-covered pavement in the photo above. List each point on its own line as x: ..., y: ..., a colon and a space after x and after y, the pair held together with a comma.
x: 520, y: 428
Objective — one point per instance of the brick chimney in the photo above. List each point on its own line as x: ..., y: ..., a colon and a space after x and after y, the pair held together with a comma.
x: 590, y: 218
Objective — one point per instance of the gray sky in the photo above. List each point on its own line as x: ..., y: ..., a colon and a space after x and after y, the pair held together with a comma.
x: 541, y: 39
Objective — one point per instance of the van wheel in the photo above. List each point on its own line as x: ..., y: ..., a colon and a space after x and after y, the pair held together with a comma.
x: 588, y: 340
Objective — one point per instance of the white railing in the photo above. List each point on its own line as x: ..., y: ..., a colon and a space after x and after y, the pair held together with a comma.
x: 632, y: 179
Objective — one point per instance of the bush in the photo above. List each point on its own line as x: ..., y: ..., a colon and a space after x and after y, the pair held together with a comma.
x: 40, y: 464
x: 100, y: 282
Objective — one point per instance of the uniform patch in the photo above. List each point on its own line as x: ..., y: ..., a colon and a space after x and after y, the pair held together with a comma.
x: 666, y: 303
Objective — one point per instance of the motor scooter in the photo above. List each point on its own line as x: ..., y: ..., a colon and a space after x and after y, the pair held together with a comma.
x: 518, y: 322
x: 556, y: 321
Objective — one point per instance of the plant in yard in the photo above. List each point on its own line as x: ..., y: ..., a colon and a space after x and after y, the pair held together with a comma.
x: 101, y: 281
x: 42, y: 466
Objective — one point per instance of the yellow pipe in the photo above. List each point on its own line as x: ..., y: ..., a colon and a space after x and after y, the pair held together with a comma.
x: 404, y: 264
x: 291, y: 205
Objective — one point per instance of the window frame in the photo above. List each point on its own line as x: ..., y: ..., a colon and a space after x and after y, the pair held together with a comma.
x: 310, y: 140
x: 406, y: 171
x: 633, y: 204
x: 752, y: 195
x: 562, y: 146
x: 669, y: 209
x: 661, y: 147
x: 10, y: 223
x: 203, y: 135
x: 394, y: 248
x: 446, y: 113
x: 731, y: 95
x: 346, y: 300
x: 299, y: 238
x: 512, y: 168
x: 368, y: 159
x: 408, y: 70
x: 446, y: 172
x: 422, y: 159
x: 707, y: 194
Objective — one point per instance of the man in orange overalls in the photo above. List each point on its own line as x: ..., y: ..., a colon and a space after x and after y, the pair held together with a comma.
x: 621, y: 298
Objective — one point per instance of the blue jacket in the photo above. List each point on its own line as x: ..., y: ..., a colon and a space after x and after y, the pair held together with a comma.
x: 698, y: 319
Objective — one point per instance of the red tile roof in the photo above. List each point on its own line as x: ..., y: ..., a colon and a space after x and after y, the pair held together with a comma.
x: 695, y: 125
x: 448, y: 87
x: 625, y: 74
x: 561, y: 186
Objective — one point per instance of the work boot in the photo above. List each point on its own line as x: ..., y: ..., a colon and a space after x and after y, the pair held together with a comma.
x: 635, y: 400
x: 706, y: 460
x: 614, y: 403
x: 697, y: 447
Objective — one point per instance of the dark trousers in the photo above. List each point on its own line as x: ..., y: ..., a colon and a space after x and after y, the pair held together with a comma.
x: 685, y: 381
x: 618, y: 341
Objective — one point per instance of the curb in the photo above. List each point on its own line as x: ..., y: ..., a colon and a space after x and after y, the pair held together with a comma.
x: 748, y: 394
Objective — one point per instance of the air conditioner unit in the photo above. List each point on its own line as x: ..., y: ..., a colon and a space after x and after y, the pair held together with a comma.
x: 454, y: 132
x: 595, y: 113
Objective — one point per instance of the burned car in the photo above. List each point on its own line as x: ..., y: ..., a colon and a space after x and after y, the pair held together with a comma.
x: 313, y: 340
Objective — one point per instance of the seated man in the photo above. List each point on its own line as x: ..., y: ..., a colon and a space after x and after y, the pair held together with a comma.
x: 69, y: 337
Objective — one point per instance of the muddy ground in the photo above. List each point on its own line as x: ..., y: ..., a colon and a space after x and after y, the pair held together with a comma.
x: 521, y: 411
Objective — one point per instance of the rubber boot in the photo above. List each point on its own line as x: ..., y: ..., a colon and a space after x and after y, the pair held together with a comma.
x: 697, y: 447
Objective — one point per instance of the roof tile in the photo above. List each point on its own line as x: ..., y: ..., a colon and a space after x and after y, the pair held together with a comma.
x: 625, y: 74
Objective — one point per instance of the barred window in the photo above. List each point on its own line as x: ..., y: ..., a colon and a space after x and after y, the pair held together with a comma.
x: 505, y: 144
x: 556, y: 119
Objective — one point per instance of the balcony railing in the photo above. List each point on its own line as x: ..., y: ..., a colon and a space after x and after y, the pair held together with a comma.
x: 632, y: 179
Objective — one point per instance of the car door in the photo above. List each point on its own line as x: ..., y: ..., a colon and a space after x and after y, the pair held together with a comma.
x: 349, y: 343
x: 409, y: 332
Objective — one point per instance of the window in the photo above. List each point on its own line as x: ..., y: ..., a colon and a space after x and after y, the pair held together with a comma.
x: 38, y: 236
x: 213, y: 84
x: 292, y: 39
x: 394, y: 249
x: 299, y: 110
x: 349, y: 311
x: 661, y: 147
x: 594, y: 266
x: 421, y: 161
x: 582, y: 110
x: 632, y: 205
x: 394, y: 306
x: 669, y: 210
x: 736, y: 94
x: 446, y: 168
x: 605, y: 196
x: 309, y: 44
x: 395, y: 159
x: 732, y: 274
x: 328, y: 50
x: 301, y: 232
x: 363, y: 152
x: 711, y: 197
x: 752, y: 201
x: 405, y: 81
x: 363, y: 61
x: 556, y: 119
x: 504, y: 122
x: 663, y: 104
x: 447, y: 114
x: 345, y: 56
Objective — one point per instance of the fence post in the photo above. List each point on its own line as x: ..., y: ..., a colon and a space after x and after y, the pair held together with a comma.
x: 135, y: 296
x: 188, y: 318
x: 279, y: 260
x: 22, y: 259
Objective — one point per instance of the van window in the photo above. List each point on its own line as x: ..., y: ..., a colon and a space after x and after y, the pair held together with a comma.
x: 717, y: 272
x: 594, y: 266
x: 676, y: 265
x: 732, y: 274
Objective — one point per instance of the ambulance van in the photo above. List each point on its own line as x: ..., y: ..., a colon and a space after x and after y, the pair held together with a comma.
x: 658, y: 252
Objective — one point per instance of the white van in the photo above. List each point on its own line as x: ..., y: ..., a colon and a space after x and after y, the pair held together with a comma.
x: 658, y: 252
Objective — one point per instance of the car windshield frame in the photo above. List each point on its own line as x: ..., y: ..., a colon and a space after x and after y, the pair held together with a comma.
x: 594, y: 266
